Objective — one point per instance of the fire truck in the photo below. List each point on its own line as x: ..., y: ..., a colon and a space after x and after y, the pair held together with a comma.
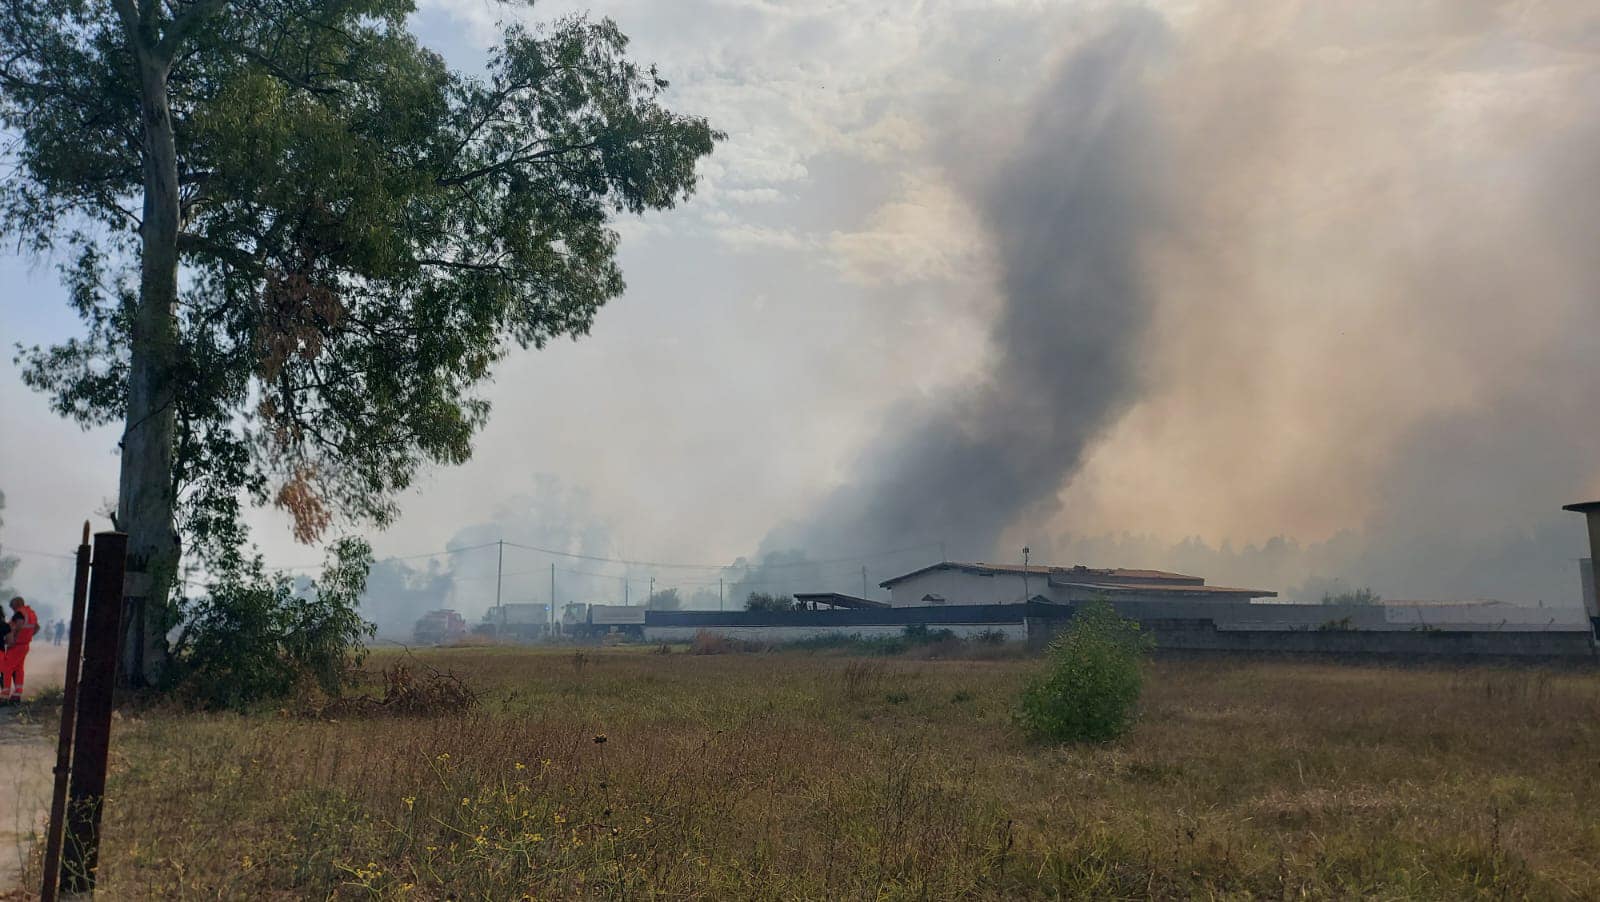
x: 439, y: 628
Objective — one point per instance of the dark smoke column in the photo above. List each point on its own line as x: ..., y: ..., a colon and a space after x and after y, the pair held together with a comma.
x: 1066, y: 210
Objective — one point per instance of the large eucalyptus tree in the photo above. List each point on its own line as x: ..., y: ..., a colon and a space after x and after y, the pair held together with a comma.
x: 299, y: 243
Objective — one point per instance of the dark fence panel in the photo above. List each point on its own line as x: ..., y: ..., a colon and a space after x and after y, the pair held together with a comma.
x: 1204, y: 636
x: 911, y: 616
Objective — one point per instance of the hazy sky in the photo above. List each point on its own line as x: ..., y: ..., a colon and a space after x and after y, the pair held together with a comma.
x: 1357, y: 243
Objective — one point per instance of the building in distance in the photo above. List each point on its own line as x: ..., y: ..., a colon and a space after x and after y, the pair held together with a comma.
x: 955, y: 583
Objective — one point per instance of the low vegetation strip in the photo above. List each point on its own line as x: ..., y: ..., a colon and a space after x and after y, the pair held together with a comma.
x: 622, y: 773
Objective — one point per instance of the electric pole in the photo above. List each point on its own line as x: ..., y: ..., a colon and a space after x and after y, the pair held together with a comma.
x: 552, y: 595
x: 719, y: 593
x: 863, y: 580
x: 499, y: 565
x: 1025, y: 552
x: 652, y: 596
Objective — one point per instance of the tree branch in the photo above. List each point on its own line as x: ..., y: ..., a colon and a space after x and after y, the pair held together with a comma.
x: 191, y: 243
x: 132, y: 23
x: 509, y: 162
x: 182, y: 25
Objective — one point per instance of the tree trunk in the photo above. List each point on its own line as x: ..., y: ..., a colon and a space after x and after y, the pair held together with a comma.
x: 147, y: 495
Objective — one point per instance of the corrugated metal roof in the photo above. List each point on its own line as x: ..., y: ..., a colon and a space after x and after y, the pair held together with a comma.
x: 839, y: 600
x: 1031, y: 569
x: 1122, y: 574
x: 1118, y: 574
x: 978, y: 567
x: 1164, y: 588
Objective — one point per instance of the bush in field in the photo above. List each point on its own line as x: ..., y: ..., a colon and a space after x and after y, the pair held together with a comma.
x: 1091, y: 688
x: 763, y: 601
x: 919, y: 634
x: 253, y: 637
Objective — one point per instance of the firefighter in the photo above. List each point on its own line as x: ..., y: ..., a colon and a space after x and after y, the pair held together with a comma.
x: 24, y: 623
x: 5, y: 650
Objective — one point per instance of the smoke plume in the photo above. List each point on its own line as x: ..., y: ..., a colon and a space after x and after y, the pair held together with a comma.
x: 1065, y: 210
x: 1271, y: 270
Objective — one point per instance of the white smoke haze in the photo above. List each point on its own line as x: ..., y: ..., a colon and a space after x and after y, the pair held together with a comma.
x: 1278, y: 293
x: 1289, y: 295
x: 1314, y: 270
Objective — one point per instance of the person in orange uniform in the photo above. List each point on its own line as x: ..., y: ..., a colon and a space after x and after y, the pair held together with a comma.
x: 24, y: 623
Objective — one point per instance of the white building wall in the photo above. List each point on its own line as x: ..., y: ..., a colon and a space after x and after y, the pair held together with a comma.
x: 1591, y: 604
x: 962, y: 587
x: 1012, y: 631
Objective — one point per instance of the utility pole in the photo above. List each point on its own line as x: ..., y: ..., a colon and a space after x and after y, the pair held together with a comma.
x: 499, y: 565
x: 552, y: 594
x: 1025, y: 552
x: 719, y: 593
x: 625, y: 602
x: 863, y: 580
x: 651, y: 597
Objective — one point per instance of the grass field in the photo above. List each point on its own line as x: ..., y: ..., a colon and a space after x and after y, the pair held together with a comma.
x: 622, y: 773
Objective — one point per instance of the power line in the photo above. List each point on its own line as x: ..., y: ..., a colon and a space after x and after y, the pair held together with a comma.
x: 664, y: 565
x: 392, y: 557
x: 747, y: 566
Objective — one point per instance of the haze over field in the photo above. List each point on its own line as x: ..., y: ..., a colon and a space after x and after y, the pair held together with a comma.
x: 1096, y: 278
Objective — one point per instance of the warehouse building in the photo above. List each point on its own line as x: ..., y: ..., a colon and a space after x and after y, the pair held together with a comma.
x: 953, y: 583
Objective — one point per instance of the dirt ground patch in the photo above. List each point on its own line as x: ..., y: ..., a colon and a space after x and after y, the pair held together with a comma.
x: 27, y: 756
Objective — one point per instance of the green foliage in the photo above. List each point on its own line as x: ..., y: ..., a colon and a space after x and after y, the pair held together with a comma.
x: 762, y: 601
x: 254, y: 637
x: 1090, y: 689
x: 1362, y: 596
x: 665, y: 600
x: 919, y: 634
x: 363, y: 231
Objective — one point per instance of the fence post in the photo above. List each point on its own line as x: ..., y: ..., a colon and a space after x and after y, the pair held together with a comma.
x: 102, y: 636
x: 69, y: 707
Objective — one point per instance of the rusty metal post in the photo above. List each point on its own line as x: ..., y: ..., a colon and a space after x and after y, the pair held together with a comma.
x: 69, y: 708
x: 1591, y: 604
x: 102, y: 635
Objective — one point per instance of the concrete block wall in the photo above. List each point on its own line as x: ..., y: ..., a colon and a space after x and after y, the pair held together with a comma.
x: 1205, y: 635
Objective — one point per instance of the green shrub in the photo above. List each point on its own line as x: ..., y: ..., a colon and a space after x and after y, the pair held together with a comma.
x: 1090, y: 689
x: 1361, y: 597
x: 763, y: 601
x: 919, y: 634
x: 253, y: 637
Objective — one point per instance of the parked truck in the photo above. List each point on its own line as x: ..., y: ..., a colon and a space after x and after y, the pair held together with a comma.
x: 600, y: 621
x: 517, y: 622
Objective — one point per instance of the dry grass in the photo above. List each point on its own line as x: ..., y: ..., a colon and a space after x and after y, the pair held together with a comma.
x: 626, y: 774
